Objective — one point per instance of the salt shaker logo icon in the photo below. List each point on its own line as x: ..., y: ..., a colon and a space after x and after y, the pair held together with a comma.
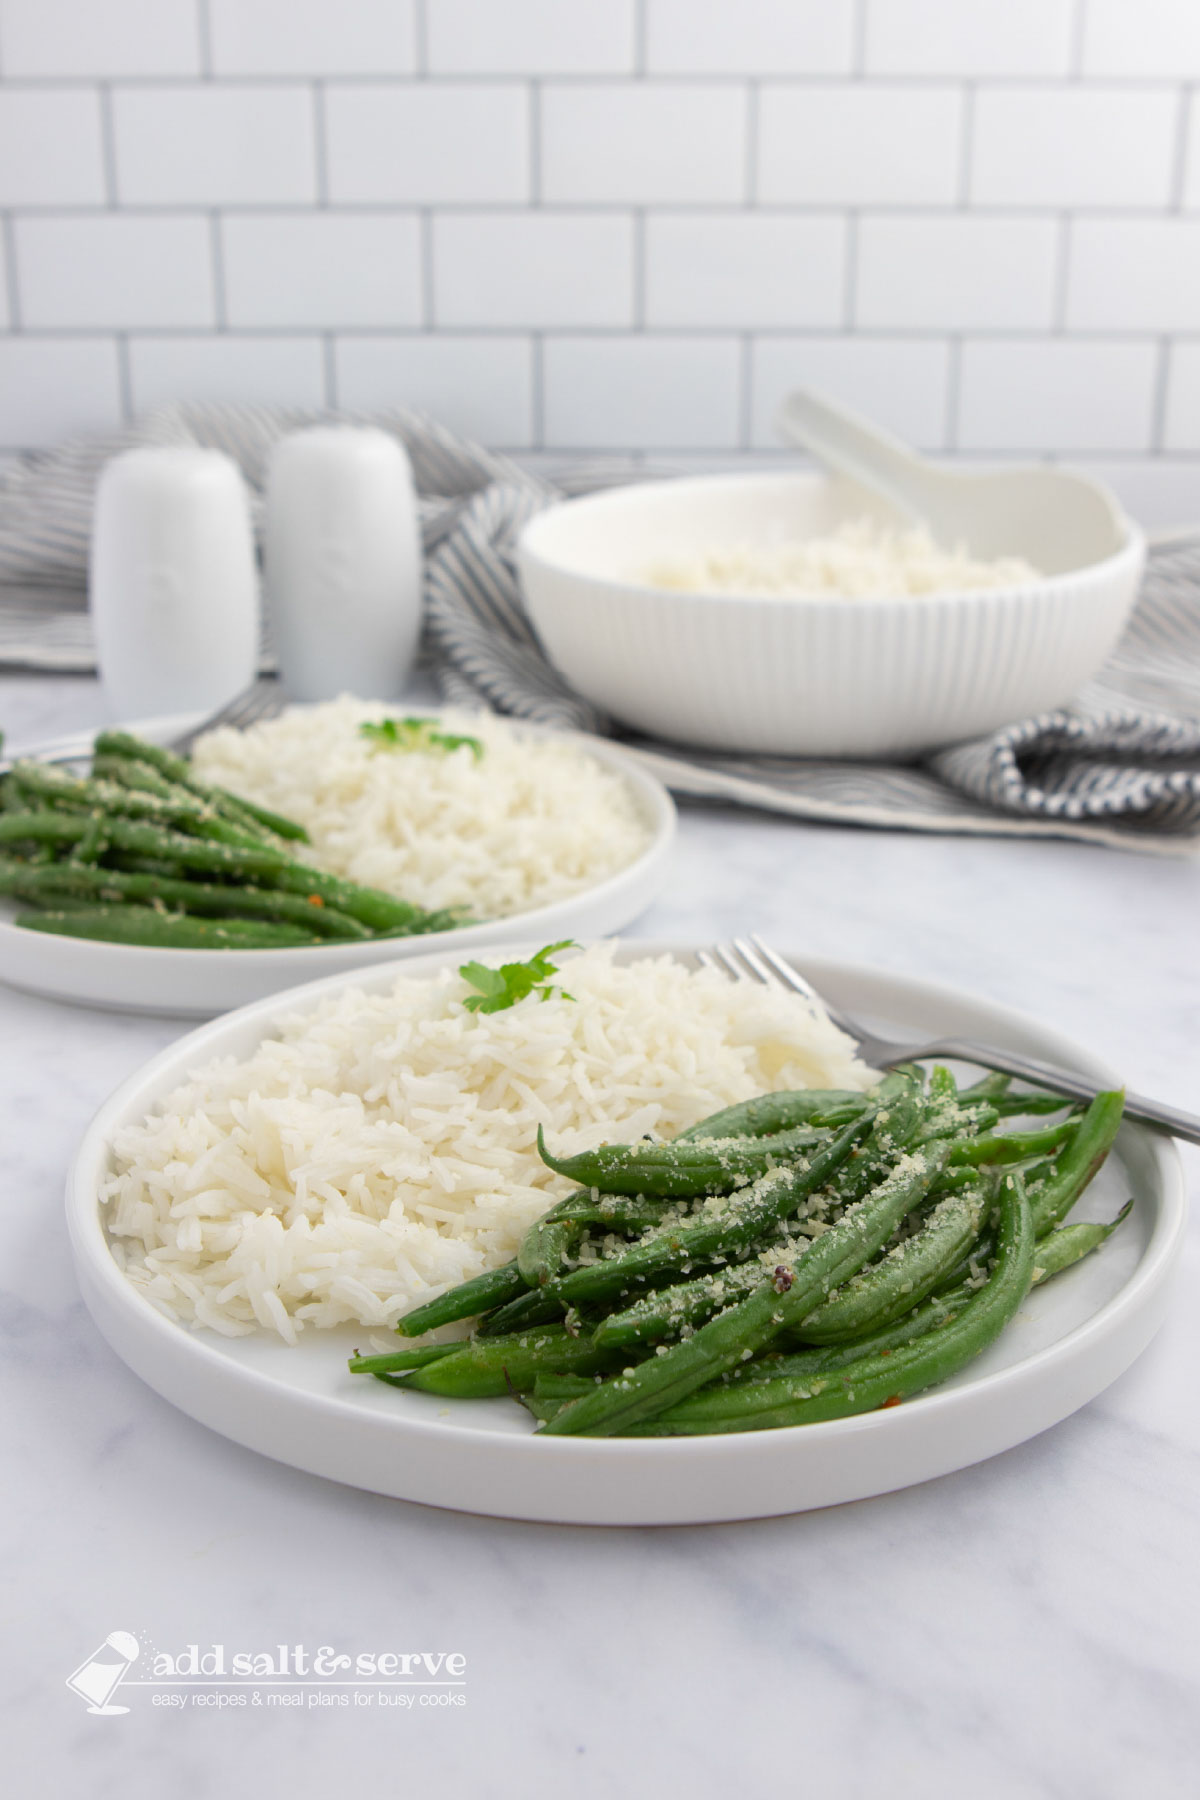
x: 97, y: 1679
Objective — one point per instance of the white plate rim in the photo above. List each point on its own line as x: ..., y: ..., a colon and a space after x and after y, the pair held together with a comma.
x: 1129, y: 1317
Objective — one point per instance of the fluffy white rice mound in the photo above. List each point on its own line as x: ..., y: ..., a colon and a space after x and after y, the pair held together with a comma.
x: 861, y: 560
x: 382, y: 1147
x: 532, y: 821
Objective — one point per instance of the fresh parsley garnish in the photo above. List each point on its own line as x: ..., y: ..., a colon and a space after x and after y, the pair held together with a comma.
x: 503, y: 987
x: 417, y: 733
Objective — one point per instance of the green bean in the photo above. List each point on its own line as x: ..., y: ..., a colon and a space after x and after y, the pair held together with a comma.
x: 166, y: 931
x: 469, y: 1298
x: 392, y: 1362
x: 784, y: 1111
x: 870, y: 1382
x: 549, y: 1240
x: 668, y: 1312
x: 132, y: 772
x: 1015, y: 1146
x: 179, y: 770
x: 48, y: 885
x: 92, y: 844
x: 504, y: 1364
x: 1079, y: 1161
x: 43, y: 826
x: 680, y: 1171
x: 901, y: 1278
x: 736, y: 1335
x: 532, y: 1306
x: 109, y: 797
x: 1064, y: 1246
x: 715, y: 1230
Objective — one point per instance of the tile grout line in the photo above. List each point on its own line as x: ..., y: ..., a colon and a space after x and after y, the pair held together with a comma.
x: 420, y: 39
x: 204, y: 37
x: 745, y: 430
x: 217, y: 251
x: 537, y: 390
x: 966, y: 146
x: 535, y: 143
x: 320, y: 145
x: 950, y: 424
x: 1160, y: 398
x: 124, y: 374
x: 639, y: 268
x: 10, y: 274
x: 1062, y: 276
x: 329, y: 363
x: 425, y: 236
x: 108, y: 145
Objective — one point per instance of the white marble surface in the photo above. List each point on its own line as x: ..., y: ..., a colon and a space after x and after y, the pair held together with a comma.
x: 1024, y: 1630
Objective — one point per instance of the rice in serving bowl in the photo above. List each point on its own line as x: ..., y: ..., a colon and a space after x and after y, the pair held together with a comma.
x: 533, y: 820
x: 382, y: 1146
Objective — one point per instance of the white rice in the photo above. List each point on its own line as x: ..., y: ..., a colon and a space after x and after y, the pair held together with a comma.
x: 861, y: 560
x: 532, y: 821
x: 382, y: 1147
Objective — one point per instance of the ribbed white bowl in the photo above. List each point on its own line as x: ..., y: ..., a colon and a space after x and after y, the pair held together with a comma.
x: 811, y: 677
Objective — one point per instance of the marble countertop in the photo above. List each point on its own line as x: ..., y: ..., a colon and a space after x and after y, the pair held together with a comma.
x: 1023, y: 1630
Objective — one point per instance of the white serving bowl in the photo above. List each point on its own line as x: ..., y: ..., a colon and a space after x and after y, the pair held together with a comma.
x: 816, y: 677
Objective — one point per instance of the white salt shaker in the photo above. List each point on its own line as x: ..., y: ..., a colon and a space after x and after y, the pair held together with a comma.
x: 173, y: 582
x: 342, y: 562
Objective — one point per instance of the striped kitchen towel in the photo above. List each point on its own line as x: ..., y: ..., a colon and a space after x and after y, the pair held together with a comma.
x: 1120, y: 766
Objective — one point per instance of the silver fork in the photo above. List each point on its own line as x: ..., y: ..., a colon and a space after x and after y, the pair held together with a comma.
x: 750, y: 958
x: 261, y: 700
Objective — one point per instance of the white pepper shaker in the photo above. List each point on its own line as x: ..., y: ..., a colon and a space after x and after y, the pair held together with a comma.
x: 342, y: 562
x: 173, y: 583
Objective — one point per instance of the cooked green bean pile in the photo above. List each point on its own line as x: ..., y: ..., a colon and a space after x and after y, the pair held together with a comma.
x: 141, y: 852
x: 803, y: 1256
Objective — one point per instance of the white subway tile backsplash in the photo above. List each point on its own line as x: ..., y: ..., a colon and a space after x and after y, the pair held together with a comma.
x: 101, y: 37
x: 1161, y: 492
x: 257, y: 371
x: 360, y: 268
x: 1142, y: 37
x: 956, y: 272
x: 1081, y: 146
x: 1056, y: 395
x: 1182, y: 425
x: 744, y: 270
x: 50, y: 147
x: 856, y: 145
x: 643, y: 142
x: 482, y: 386
x: 779, y: 37
x: 530, y: 37
x: 207, y: 145
x: 1134, y: 275
x: 649, y: 393
x: 85, y: 271
x: 537, y: 268
x: 901, y: 383
x: 428, y: 142
x: 612, y: 225
x: 969, y: 37
x: 312, y: 37
x: 53, y: 387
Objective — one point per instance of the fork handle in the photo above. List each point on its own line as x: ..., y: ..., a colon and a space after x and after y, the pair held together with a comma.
x: 1168, y: 1119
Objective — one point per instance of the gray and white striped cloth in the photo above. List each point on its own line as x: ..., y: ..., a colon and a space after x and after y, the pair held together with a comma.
x: 1120, y: 766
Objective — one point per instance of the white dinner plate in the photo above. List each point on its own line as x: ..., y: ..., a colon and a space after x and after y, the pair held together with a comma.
x: 196, y: 984
x: 302, y: 1407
